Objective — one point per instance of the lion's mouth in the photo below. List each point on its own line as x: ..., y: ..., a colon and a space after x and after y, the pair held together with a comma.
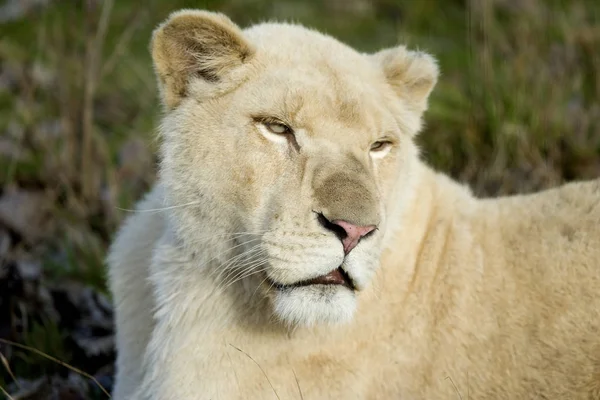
x: 336, y: 277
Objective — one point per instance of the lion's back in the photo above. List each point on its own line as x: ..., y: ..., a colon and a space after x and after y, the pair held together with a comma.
x: 562, y: 223
x: 548, y: 246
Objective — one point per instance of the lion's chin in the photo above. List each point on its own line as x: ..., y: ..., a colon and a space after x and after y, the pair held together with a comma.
x: 314, y: 305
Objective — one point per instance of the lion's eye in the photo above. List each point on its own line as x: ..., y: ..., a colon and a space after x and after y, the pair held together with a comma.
x: 278, y: 128
x: 380, y: 148
x: 276, y: 131
x: 380, y: 145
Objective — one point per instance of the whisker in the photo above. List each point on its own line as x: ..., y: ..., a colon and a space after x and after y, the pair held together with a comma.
x: 250, y: 261
x: 224, y: 267
x: 257, y: 287
x: 242, y: 262
x: 235, y: 247
x: 159, y: 209
x: 187, y: 245
x: 226, y: 270
x: 232, y: 236
x: 258, y: 260
x: 245, y: 276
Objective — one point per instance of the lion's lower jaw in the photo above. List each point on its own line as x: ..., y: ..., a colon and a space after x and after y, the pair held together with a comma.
x: 314, y: 305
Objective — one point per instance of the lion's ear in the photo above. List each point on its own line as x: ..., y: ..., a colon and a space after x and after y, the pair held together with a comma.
x: 412, y: 74
x: 196, y: 45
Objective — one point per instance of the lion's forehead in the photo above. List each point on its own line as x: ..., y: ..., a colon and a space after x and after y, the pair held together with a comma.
x: 319, y: 100
x: 297, y: 44
x: 315, y: 82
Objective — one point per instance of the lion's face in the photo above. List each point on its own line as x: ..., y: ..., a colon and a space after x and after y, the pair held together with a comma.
x: 294, y: 145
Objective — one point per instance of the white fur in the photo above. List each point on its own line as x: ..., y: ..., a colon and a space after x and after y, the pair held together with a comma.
x: 309, y: 306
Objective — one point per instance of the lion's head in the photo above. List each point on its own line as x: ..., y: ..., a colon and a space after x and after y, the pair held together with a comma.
x: 293, y: 144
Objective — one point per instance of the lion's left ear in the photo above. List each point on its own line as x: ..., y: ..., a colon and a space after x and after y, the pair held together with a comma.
x: 412, y: 74
x: 194, y: 47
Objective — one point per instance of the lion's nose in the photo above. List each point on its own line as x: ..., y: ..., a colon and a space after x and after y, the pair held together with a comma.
x: 349, y: 233
x: 353, y: 233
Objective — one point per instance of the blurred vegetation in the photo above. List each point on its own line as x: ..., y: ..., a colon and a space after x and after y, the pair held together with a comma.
x: 516, y: 110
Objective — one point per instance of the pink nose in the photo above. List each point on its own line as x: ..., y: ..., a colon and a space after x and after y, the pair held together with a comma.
x: 353, y: 233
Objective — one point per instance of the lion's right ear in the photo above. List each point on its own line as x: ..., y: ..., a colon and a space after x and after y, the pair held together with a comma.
x: 412, y: 74
x: 193, y: 45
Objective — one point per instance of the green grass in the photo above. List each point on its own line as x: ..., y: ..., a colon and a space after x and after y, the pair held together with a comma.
x: 516, y: 108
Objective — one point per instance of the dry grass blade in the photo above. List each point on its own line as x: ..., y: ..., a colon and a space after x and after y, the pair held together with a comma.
x: 234, y: 373
x: 94, y: 43
x: 7, y: 367
x: 56, y: 360
x: 8, y: 396
x: 262, y: 370
x: 123, y: 44
x: 298, y: 384
x: 455, y: 388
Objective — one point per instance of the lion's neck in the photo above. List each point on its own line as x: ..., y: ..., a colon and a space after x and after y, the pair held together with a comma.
x: 421, y: 231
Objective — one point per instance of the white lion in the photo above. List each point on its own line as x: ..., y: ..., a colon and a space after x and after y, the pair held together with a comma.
x: 295, y: 246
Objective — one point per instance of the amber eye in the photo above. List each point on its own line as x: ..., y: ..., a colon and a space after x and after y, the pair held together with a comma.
x: 380, y: 145
x: 278, y: 128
